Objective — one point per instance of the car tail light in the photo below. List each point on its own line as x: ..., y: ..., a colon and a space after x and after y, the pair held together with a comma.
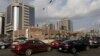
x: 67, y: 46
x: 53, y: 43
x: 18, y: 47
x: 57, y: 43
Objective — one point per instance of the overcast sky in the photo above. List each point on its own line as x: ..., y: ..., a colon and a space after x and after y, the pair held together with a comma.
x: 83, y: 13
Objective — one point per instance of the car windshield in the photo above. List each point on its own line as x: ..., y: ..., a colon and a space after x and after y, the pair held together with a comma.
x: 21, y: 41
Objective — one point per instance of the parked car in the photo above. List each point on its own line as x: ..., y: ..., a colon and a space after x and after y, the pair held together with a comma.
x: 4, y: 44
x: 73, y: 46
x: 56, y: 43
x: 92, y: 42
x: 28, y: 47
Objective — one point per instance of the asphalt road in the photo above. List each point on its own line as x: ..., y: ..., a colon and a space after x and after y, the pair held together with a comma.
x: 92, y: 52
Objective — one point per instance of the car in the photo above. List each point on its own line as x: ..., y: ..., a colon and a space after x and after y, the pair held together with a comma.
x: 56, y: 43
x: 28, y: 47
x: 4, y: 45
x: 92, y: 42
x: 72, y: 46
x: 98, y: 40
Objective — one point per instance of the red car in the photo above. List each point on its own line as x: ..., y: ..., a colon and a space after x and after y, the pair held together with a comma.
x: 56, y: 43
x: 29, y: 46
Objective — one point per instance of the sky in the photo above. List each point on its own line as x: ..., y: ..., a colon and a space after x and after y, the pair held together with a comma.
x: 83, y: 13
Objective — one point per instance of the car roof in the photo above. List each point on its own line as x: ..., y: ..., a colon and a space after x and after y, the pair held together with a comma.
x: 69, y: 40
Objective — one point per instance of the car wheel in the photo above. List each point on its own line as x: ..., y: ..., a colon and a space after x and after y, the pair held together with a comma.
x: 73, y: 50
x: 2, y: 47
x: 49, y: 49
x: 87, y: 48
x: 28, y: 52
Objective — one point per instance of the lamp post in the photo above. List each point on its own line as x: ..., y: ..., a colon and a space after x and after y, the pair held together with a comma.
x: 47, y: 20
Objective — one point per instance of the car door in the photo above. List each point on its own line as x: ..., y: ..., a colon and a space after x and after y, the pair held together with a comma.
x: 32, y: 44
x: 35, y: 46
x: 77, y: 44
x: 42, y: 46
x: 38, y: 45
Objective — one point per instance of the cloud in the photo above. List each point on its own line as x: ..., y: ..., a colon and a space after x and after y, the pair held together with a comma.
x: 3, y: 5
x: 84, y: 12
x: 86, y: 20
x: 66, y: 8
x: 98, y: 21
x: 79, y: 10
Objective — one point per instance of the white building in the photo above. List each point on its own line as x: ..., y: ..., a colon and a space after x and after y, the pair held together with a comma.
x: 2, y: 23
x: 65, y: 24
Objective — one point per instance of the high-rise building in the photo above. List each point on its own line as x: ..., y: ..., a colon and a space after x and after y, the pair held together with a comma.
x: 65, y: 24
x: 2, y: 23
x: 19, y: 16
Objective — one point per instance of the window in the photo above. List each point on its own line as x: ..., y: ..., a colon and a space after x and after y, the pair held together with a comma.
x: 33, y: 42
x: 40, y: 42
x: 37, y: 42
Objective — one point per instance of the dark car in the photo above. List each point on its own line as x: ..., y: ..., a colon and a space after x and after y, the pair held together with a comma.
x: 29, y: 46
x: 56, y: 43
x: 73, y: 46
x: 4, y: 44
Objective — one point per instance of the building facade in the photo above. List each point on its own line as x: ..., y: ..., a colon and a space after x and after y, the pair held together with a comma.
x: 36, y: 33
x: 49, y: 26
x: 65, y: 24
x: 52, y: 26
x: 19, y: 16
x: 2, y: 23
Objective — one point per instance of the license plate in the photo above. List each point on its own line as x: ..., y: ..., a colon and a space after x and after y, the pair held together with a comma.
x: 60, y: 48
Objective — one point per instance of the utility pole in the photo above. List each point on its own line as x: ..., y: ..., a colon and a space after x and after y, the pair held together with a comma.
x: 27, y: 33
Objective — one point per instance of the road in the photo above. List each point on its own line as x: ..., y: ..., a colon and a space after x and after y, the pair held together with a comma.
x: 92, y: 52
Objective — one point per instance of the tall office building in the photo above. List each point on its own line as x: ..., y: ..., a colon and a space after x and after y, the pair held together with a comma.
x: 19, y: 16
x: 65, y: 24
x: 2, y: 23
